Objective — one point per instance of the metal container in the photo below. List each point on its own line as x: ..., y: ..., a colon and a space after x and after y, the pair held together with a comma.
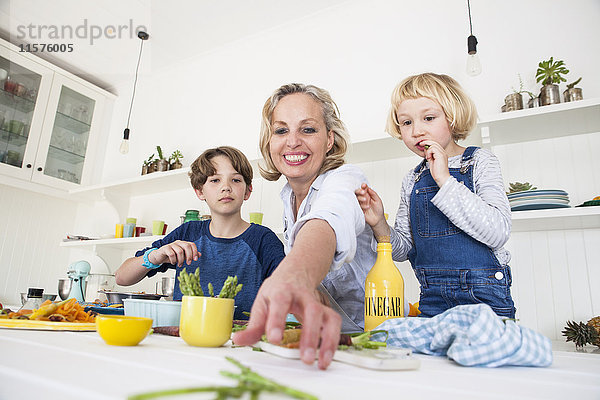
x: 118, y: 297
x: 64, y: 288
x: 167, y: 286
x: 549, y: 94
x: 573, y: 94
x: 514, y: 101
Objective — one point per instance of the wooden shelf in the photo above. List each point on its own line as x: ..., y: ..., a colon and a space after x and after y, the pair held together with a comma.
x: 133, y: 243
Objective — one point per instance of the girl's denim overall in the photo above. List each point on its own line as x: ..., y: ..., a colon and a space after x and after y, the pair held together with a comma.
x: 451, y: 266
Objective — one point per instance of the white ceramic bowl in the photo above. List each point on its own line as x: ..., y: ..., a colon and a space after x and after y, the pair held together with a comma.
x: 162, y: 312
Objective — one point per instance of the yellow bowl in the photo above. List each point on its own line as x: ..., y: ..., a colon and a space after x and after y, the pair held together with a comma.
x: 122, y: 330
x: 205, y: 321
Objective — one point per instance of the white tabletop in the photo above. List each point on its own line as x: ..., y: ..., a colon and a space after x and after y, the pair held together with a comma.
x: 79, y: 365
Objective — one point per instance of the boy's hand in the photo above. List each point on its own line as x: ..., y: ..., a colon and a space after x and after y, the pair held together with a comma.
x: 438, y: 161
x: 372, y: 206
x: 176, y: 253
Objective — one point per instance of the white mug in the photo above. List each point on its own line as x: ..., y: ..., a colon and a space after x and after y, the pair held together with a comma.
x: 3, y: 74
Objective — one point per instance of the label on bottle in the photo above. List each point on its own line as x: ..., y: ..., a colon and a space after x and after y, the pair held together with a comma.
x: 384, y: 306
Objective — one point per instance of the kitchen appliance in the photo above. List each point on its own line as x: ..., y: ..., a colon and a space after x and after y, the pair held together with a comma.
x: 77, y: 272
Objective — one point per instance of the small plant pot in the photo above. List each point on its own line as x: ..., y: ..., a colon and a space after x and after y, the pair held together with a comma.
x: 514, y: 101
x: 206, y: 321
x: 549, y: 94
x: 535, y: 102
x: 163, y: 165
x: 152, y: 167
x: 573, y: 94
x: 176, y: 165
x: 144, y: 169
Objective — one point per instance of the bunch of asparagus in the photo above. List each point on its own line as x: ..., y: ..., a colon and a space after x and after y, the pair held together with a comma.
x: 190, y: 285
x: 248, y: 382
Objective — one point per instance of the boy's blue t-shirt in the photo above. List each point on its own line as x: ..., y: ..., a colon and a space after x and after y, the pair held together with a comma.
x: 252, y: 256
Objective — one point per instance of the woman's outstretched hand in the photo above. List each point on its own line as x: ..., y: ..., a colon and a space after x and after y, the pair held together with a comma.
x: 285, y: 293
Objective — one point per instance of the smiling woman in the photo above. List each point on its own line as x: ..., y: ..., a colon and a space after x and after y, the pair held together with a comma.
x: 328, y: 252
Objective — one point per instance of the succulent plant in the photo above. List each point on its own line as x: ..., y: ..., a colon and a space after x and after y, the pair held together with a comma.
x: 572, y: 85
x: 149, y: 160
x: 551, y: 71
x: 520, y: 187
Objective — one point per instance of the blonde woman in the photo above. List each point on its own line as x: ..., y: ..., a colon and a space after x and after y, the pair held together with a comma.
x: 327, y: 243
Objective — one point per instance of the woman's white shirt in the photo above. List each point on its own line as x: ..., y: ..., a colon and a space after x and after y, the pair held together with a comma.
x: 331, y: 198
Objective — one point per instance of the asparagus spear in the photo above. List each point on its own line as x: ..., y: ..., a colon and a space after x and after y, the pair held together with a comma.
x: 248, y: 382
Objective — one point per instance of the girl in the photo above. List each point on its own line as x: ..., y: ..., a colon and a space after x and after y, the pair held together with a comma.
x: 454, y: 216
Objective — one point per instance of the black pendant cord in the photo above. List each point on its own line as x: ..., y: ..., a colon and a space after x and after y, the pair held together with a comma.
x: 470, y: 24
x: 471, y: 40
x: 135, y: 81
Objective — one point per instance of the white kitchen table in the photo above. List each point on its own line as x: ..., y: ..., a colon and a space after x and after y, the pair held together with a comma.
x: 79, y: 365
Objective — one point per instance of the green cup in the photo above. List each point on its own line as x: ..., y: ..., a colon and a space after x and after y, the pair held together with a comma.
x: 131, y: 220
x: 256, y: 217
x: 157, y: 227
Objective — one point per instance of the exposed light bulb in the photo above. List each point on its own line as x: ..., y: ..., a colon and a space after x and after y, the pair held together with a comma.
x: 473, y: 63
x: 124, y: 147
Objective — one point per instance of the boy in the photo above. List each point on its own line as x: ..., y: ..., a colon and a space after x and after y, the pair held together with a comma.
x: 224, y: 245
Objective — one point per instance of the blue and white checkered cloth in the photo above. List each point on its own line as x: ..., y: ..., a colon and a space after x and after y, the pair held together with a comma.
x: 471, y: 335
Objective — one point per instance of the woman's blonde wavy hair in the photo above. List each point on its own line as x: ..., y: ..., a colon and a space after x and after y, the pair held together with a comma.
x: 458, y: 107
x: 334, y: 157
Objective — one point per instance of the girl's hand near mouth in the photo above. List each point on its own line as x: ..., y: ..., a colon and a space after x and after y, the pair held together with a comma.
x: 437, y: 158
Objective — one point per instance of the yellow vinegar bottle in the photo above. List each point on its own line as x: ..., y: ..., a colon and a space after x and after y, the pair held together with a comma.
x: 384, y: 289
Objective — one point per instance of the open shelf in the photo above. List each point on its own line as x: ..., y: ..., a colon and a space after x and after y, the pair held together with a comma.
x: 545, y: 122
x: 555, y: 219
x: 132, y: 243
x: 564, y: 119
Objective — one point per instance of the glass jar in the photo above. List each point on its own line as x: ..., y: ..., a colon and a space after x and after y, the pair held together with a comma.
x: 34, y: 299
x: 191, y: 215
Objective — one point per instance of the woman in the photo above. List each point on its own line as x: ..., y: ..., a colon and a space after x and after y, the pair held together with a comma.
x: 327, y: 243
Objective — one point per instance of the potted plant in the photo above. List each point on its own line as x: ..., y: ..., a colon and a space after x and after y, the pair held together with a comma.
x: 572, y: 93
x: 550, y: 74
x: 174, y: 160
x: 206, y: 321
x: 146, y: 165
x: 534, y: 101
x: 162, y: 163
x: 514, y: 101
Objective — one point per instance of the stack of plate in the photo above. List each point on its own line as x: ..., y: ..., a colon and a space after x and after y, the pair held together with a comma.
x: 538, y: 199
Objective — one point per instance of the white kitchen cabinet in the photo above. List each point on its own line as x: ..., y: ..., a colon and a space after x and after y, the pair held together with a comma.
x: 51, y: 122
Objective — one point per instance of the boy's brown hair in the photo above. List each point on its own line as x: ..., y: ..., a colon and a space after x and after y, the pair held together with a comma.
x: 203, y: 167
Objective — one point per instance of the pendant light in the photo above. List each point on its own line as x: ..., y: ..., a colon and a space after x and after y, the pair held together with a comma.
x: 124, y: 147
x: 473, y: 63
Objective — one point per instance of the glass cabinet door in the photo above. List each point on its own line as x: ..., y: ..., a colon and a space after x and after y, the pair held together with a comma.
x: 70, y: 135
x: 19, y: 89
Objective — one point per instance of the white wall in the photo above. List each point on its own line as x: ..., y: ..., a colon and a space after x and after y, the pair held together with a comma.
x: 358, y: 51
x: 32, y: 226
